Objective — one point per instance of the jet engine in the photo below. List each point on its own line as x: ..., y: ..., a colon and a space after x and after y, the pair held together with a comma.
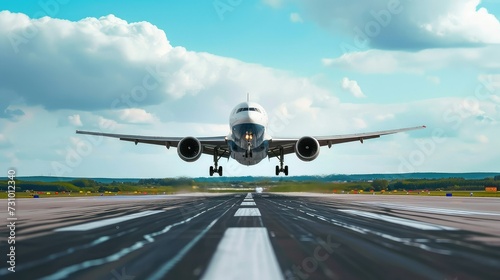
x: 189, y: 149
x: 307, y: 148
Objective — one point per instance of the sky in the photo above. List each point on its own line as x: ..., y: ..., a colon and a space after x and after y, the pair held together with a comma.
x: 177, y: 68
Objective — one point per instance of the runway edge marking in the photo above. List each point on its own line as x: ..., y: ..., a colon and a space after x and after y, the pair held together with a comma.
x: 396, y: 220
x: 107, y: 222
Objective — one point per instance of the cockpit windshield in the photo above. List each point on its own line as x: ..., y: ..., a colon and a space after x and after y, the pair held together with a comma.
x: 248, y: 109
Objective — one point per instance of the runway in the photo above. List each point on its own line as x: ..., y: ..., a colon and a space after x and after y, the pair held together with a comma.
x: 256, y: 236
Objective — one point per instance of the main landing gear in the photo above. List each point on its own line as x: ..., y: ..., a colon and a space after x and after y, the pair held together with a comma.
x: 280, y: 168
x: 216, y: 168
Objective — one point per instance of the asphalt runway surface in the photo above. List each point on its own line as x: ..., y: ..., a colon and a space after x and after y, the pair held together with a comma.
x: 256, y: 236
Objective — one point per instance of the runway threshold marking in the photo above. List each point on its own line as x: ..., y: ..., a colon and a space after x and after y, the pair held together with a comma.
x: 244, y: 253
x: 247, y: 212
x: 107, y: 222
x: 396, y: 220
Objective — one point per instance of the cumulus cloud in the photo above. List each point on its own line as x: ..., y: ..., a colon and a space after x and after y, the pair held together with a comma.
x: 383, y: 61
x: 296, y: 18
x: 352, y: 87
x: 406, y: 24
x: 75, y: 120
x: 89, y: 64
x: 109, y: 64
x: 136, y: 116
x: 491, y: 82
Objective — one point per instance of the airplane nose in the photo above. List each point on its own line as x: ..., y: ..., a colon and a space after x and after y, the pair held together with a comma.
x: 249, y: 118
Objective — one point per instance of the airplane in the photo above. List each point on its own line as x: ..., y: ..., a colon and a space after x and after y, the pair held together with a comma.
x: 248, y: 142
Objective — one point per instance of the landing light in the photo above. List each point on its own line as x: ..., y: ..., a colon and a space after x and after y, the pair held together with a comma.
x: 248, y: 136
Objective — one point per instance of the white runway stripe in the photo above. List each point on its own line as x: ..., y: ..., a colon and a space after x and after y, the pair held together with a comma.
x: 107, y: 222
x: 437, y: 210
x: 399, y: 221
x: 244, y: 253
x: 242, y: 212
x: 244, y: 203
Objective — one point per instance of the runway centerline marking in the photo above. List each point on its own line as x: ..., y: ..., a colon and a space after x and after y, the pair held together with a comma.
x: 247, y: 212
x: 244, y: 253
x: 396, y: 220
x: 107, y: 222
x: 245, y: 203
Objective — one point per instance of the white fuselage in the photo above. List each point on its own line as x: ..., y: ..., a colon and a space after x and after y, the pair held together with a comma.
x: 248, y: 140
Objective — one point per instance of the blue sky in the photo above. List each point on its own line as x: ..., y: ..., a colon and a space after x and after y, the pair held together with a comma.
x: 318, y: 67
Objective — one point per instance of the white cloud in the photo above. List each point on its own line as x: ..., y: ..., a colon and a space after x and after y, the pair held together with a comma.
x: 404, y: 24
x: 359, y: 123
x: 75, y: 120
x: 433, y: 79
x: 483, y: 139
x: 109, y: 64
x: 109, y: 124
x: 352, y: 87
x: 296, y: 18
x: 382, y: 61
x: 137, y: 116
x: 491, y: 82
x: 383, y: 117
x: 4, y: 142
x: 273, y: 3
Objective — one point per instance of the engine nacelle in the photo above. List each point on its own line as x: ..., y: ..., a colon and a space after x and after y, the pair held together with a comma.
x: 307, y: 148
x: 189, y: 149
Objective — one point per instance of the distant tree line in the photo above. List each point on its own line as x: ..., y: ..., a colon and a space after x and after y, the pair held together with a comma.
x: 442, y: 184
x: 176, y: 183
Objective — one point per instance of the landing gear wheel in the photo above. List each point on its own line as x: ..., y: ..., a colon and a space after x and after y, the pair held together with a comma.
x: 280, y: 168
x: 216, y: 168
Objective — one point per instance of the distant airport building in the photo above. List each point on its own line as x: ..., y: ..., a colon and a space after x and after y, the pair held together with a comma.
x: 490, y: 189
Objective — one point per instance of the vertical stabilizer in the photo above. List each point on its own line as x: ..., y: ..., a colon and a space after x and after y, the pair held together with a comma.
x: 248, y: 97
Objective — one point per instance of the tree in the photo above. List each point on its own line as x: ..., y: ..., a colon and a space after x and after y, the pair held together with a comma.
x: 379, y: 185
x: 497, y: 178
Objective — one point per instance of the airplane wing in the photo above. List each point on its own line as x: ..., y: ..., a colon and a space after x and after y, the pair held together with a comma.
x: 288, y: 144
x: 208, y: 143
